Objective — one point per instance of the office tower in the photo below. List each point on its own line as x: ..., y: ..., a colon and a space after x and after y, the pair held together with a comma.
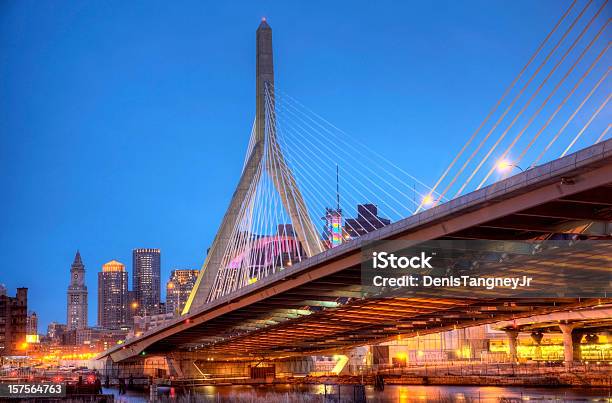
x: 76, y: 315
x: 367, y: 220
x: 112, y: 295
x: 55, y: 331
x: 146, y: 266
x: 32, y: 323
x: 13, y: 322
x: 178, y: 289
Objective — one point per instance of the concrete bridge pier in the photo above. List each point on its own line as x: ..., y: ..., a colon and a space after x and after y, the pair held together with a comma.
x: 571, y: 343
x: 537, y: 339
x: 512, y: 344
x: 196, y: 366
x: 131, y: 368
x: 295, y: 366
x: 356, y: 359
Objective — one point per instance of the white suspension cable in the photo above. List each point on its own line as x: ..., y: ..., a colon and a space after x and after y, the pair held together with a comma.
x: 532, y: 97
x: 603, y: 105
x: 570, y: 119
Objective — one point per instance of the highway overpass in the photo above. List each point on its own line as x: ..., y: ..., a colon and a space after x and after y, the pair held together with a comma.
x: 317, y: 305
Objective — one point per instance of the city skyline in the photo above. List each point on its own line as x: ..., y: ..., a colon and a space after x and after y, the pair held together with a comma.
x: 147, y: 188
x: 424, y: 200
x: 109, y: 267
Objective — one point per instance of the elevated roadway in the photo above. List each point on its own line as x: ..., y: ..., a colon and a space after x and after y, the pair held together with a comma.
x: 317, y: 305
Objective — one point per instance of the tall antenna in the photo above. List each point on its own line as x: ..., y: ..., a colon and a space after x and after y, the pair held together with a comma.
x: 337, y: 188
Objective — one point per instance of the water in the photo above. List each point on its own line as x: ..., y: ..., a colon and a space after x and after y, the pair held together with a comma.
x: 392, y: 393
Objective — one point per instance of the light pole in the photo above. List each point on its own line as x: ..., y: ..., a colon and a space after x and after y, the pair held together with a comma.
x: 427, y: 201
x: 506, y: 166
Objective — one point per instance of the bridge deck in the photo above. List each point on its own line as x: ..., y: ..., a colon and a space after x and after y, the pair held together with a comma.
x: 316, y: 305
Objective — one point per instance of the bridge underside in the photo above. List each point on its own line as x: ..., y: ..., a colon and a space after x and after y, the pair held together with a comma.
x: 587, y: 321
x: 362, y: 323
x: 317, y: 305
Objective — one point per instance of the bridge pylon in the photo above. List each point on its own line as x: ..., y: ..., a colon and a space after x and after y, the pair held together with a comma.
x: 264, y: 158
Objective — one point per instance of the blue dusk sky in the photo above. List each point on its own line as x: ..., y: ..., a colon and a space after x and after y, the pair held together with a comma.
x: 124, y: 124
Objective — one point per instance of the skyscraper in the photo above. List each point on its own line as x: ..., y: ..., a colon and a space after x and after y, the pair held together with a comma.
x: 32, y: 323
x: 76, y: 316
x: 146, y: 264
x: 112, y: 295
x: 178, y: 289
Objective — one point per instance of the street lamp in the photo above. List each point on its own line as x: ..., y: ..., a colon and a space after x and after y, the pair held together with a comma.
x: 505, y: 166
x: 427, y: 201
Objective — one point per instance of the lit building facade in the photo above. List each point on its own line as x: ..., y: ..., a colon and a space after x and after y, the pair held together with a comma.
x: 76, y: 315
x: 13, y: 322
x: 32, y: 323
x: 143, y: 324
x: 178, y: 288
x: 113, y: 301
x: 100, y: 338
x: 333, y: 234
x: 146, y: 264
x: 55, y: 331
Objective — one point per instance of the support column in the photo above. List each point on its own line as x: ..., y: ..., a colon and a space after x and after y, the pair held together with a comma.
x: 571, y: 343
x: 512, y: 344
x: 356, y: 360
x: 577, y: 336
x: 537, y: 339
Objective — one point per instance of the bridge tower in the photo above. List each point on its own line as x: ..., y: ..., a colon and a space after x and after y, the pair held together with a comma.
x: 265, y: 153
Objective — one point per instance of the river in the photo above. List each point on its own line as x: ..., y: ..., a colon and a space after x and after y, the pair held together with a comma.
x: 392, y: 393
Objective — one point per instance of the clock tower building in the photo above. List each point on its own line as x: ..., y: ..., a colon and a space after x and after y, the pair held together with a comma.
x: 76, y: 317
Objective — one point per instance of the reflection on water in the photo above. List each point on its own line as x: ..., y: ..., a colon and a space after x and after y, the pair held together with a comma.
x: 392, y: 393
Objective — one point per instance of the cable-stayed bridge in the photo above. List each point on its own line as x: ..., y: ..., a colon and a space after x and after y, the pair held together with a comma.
x: 282, y: 276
